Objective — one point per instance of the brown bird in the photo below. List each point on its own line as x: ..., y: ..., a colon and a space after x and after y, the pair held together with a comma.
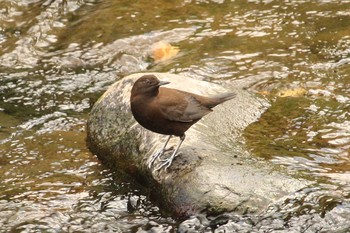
x: 169, y: 111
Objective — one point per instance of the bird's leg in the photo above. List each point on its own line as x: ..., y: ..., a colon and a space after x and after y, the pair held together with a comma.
x: 158, y: 153
x: 168, y: 161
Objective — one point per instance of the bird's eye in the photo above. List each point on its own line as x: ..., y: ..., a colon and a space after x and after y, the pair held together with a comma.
x: 147, y: 81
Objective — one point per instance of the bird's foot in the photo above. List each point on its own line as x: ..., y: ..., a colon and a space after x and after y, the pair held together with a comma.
x: 157, y: 155
x: 166, y: 162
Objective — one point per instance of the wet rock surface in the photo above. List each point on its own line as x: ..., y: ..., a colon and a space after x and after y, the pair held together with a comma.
x: 214, y: 172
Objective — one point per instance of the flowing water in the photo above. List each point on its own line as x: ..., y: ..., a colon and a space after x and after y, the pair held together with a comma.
x: 58, y: 56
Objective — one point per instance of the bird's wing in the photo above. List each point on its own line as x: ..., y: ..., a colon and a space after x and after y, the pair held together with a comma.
x: 180, y: 106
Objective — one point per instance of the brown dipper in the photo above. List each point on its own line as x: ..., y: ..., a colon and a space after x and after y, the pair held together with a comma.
x: 169, y: 111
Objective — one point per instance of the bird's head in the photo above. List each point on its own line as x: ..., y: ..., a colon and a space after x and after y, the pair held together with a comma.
x: 147, y: 85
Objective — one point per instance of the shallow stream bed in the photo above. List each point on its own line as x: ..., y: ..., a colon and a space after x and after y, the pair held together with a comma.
x: 58, y: 56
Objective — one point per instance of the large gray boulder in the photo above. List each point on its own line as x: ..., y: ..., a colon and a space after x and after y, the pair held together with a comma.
x: 214, y: 171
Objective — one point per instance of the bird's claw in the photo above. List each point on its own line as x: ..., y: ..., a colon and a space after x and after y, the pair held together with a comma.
x: 154, y: 157
x: 157, y: 155
x: 166, y: 163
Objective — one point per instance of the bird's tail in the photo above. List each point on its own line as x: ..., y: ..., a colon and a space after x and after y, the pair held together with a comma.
x: 224, y: 97
x: 217, y: 99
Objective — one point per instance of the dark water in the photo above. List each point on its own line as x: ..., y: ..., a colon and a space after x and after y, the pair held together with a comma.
x: 58, y: 57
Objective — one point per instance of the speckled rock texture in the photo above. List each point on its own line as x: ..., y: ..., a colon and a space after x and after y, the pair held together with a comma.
x: 213, y: 173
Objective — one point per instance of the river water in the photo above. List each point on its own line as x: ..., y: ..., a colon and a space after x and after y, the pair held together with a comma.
x: 58, y: 56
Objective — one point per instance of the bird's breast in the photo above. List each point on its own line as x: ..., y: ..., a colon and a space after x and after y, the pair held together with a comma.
x: 148, y: 115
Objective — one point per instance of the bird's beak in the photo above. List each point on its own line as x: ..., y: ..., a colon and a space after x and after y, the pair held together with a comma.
x: 161, y: 83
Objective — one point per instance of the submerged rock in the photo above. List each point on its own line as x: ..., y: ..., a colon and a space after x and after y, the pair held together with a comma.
x: 214, y: 171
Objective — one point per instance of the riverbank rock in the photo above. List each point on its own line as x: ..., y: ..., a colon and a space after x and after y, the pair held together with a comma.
x: 214, y: 171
